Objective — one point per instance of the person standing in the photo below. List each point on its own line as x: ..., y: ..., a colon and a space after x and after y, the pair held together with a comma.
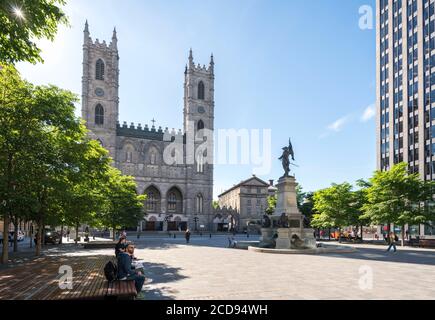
x: 392, y: 242
x: 187, y: 235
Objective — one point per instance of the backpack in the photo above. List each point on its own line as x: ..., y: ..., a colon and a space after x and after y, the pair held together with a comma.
x: 110, y: 271
x: 396, y: 238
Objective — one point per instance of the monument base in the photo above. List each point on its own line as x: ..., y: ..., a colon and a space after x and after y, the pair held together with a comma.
x: 287, y: 224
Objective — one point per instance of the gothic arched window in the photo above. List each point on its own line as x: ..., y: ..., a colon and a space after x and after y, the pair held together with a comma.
x: 129, y: 150
x: 153, y: 200
x: 99, y: 115
x: 199, y: 204
x: 201, y: 90
x: 200, y: 125
x: 99, y: 70
x: 175, y: 201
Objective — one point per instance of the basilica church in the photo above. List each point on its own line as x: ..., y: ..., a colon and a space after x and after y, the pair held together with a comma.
x: 180, y: 194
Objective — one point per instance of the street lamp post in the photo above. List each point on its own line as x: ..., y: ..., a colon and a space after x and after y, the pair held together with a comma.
x: 195, y: 219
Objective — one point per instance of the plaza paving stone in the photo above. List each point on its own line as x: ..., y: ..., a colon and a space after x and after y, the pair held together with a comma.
x: 207, y: 269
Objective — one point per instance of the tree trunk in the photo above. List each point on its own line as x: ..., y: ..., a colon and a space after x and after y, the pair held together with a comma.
x: 329, y: 234
x: 362, y: 232
x: 77, y: 233
x: 61, y: 235
x: 39, y: 239
x: 31, y: 235
x: 5, y: 254
x: 403, y: 235
x: 114, y: 235
x: 15, y: 236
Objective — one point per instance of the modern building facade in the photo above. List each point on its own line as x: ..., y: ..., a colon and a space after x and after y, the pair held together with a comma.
x: 179, y: 191
x: 405, y: 95
x: 248, y: 199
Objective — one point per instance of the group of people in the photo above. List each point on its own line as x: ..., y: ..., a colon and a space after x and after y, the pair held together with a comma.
x: 124, y: 252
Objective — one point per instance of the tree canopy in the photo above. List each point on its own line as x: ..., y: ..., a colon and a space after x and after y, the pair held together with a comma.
x: 51, y: 172
x: 22, y: 23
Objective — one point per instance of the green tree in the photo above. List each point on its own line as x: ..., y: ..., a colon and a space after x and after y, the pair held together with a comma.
x: 335, y: 207
x: 307, y: 205
x: 215, y: 204
x: 16, y: 139
x: 395, y: 196
x: 271, y: 204
x: 24, y: 21
x: 300, y: 195
x: 123, y: 207
x: 40, y: 139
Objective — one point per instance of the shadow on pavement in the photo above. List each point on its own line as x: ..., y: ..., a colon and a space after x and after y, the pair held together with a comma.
x: 381, y: 254
x: 156, y: 274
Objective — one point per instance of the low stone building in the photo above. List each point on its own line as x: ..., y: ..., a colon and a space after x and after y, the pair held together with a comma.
x: 248, y: 199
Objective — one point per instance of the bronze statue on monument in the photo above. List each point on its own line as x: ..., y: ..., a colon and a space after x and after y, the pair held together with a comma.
x: 285, y: 158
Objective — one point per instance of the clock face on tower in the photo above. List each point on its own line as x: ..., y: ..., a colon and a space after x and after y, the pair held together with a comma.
x: 99, y: 92
x: 201, y: 109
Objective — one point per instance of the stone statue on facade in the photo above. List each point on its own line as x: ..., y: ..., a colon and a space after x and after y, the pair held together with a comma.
x: 285, y: 158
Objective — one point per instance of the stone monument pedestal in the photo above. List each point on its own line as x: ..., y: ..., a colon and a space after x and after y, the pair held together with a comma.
x: 266, y: 240
x: 287, y: 221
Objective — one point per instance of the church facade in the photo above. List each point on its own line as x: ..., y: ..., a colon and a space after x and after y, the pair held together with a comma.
x: 171, y: 168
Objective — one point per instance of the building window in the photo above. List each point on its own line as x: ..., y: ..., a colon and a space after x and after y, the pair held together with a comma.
x: 129, y: 156
x: 99, y: 70
x: 153, y: 158
x: 99, y: 115
x: 129, y: 149
x: 152, y: 203
x: 199, y: 204
x: 172, y: 202
x: 175, y: 201
x: 200, y: 126
x: 201, y: 90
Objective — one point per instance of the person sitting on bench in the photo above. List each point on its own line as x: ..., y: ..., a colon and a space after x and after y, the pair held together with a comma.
x: 125, y: 271
x: 120, y: 246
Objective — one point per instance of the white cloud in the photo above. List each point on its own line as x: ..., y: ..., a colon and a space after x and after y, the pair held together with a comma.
x: 369, y: 113
x: 338, y: 125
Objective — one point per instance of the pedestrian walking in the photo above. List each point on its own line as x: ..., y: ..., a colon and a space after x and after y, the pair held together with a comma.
x: 187, y: 235
x: 392, y: 242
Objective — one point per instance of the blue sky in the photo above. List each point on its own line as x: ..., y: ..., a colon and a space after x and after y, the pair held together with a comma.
x: 301, y: 68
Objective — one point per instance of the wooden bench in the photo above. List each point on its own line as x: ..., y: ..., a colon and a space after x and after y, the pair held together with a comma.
x: 427, y: 243
x: 40, y: 278
x: 121, y: 290
x: 100, y: 245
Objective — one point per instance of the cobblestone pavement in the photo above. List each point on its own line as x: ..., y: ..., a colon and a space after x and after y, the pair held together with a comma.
x: 205, y: 269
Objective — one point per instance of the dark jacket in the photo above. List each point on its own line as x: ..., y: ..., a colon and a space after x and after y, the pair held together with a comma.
x: 124, y: 265
x: 118, y: 248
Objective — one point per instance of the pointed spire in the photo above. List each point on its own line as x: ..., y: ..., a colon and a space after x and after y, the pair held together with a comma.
x: 86, y: 32
x: 114, y: 43
x: 212, y: 63
x: 191, y: 63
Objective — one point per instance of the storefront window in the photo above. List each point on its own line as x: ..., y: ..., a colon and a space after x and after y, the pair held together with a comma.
x: 429, y: 230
